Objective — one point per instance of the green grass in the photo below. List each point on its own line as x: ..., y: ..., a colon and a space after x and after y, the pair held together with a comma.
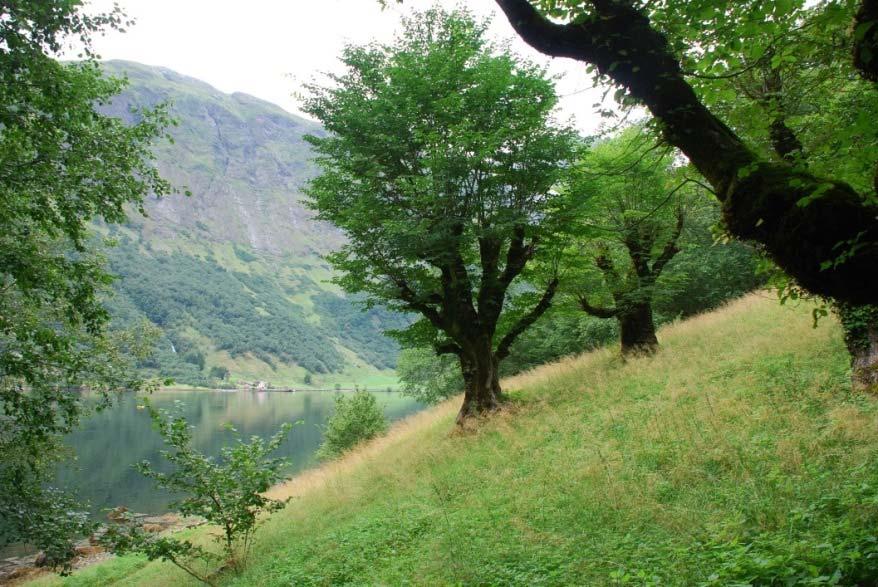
x: 737, y: 455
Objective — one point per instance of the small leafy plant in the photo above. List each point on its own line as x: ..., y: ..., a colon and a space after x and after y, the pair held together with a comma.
x: 357, y: 418
x: 227, y: 492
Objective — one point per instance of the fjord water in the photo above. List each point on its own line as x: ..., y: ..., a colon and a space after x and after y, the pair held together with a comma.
x: 109, y: 442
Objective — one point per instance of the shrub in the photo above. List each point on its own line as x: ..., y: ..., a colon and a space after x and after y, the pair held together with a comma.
x: 227, y: 492
x: 357, y: 418
x: 829, y: 540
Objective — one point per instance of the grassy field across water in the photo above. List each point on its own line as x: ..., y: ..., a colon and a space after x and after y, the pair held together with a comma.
x: 736, y: 455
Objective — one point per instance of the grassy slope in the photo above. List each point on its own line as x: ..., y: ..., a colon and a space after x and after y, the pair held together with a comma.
x: 656, y: 470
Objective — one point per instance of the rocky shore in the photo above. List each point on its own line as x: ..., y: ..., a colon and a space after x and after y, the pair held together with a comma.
x: 18, y: 569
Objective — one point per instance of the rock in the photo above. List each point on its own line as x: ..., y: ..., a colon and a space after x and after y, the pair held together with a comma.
x: 153, y: 528
x: 89, y: 550
x: 118, y: 514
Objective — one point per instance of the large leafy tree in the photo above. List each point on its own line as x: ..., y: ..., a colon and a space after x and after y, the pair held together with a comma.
x: 821, y: 231
x: 439, y: 166
x: 61, y: 165
x: 802, y: 102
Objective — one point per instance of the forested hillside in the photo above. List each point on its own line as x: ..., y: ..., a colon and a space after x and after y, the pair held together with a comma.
x: 232, y: 274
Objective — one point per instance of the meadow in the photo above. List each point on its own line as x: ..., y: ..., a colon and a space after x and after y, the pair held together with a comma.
x: 736, y: 455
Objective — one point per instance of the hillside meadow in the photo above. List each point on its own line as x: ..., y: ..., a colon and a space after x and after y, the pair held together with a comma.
x: 736, y: 455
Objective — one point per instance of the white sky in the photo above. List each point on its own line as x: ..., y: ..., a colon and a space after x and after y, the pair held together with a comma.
x: 268, y: 48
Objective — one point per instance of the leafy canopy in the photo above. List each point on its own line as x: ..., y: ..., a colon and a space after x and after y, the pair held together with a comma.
x: 630, y: 207
x: 440, y: 160
x: 61, y: 165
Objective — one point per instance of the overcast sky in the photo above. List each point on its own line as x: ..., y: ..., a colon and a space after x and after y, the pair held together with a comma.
x: 268, y: 48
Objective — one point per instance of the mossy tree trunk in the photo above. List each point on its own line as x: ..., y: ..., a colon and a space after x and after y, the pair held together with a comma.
x: 866, y: 39
x: 859, y: 321
x: 482, y: 392
x: 860, y: 324
x: 637, y: 331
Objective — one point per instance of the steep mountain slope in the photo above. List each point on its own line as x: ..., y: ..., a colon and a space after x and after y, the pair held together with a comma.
x: 233, y: 274
x: 737, y: 455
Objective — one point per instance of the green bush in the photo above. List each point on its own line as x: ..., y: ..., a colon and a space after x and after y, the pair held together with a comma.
x: 357, y: 418
x: 830, y: 540
x: 227, y: 492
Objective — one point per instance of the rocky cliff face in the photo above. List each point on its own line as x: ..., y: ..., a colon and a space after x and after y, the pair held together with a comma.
x: 244, y: 160
x: 233, y: 274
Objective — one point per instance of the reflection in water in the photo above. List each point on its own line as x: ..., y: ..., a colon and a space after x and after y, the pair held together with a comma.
x: 109, y: 442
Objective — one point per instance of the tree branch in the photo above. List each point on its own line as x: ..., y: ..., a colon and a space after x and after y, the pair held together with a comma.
x: 517, y: 256
x: 416, y: 303
x: 525, y: 321
x: 595, y: 311
x: 447, y: 348
x: 620, y: 41
x: 670, y: 249
x: 829, y: 245
x: 493, y: 287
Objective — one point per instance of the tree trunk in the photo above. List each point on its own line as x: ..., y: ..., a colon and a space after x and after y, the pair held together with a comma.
x: 864, y: 364
x: 482, y: 392
x: 860, y: 324
x: 638, y: 331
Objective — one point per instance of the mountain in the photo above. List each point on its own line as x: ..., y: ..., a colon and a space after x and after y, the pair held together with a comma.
x: 232, y: 274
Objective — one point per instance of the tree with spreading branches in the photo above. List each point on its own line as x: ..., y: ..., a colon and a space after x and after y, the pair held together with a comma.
x: 439, y: 163
x: 821, y: 231
x: 804, y: 103
x: 630, y: 215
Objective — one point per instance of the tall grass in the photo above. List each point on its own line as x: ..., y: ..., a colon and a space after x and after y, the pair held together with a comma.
x: 737, y: 454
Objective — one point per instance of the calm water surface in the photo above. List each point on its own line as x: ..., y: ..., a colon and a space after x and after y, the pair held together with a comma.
x: 109, y: 442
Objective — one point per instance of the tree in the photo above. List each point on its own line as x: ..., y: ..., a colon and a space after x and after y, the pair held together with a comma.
x: 61, y: 165
x: 630, y: 221
x: 219, y: 372
x: 802, y: 103
x: 865, y: 32
x: 821, y: 231
x: 356, y: 419
x: 439, y: 166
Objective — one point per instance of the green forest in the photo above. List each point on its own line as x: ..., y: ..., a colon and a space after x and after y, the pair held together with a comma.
x: 240, y: 313
x: 635, y: 343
